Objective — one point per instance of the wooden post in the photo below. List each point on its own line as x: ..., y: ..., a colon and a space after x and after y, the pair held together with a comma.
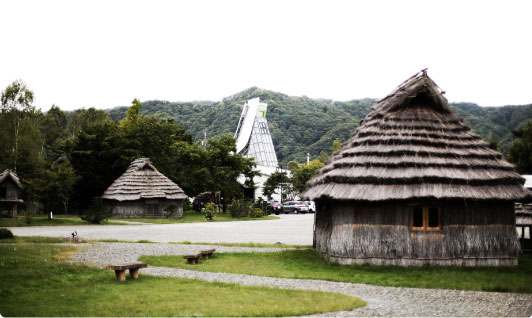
x: 14, y: 210
x: 134, y: 273
x: 121, y: 275
x: 522, y: 232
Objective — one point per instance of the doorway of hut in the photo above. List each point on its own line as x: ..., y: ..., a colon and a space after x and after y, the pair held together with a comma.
x: 151, y: 208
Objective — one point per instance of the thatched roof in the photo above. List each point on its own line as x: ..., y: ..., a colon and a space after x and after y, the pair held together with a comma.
x: 11, y: 175
x: 523, y: 214
x: 142, y: 181
x: 412, y: 146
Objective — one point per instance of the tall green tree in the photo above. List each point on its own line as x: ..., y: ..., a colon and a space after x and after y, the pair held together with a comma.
x: 82, y: 118
x: 278, y: 182
x: 520, y: 152
x: 16, y: 104
x: 53, y: 128
x: 302, y: 173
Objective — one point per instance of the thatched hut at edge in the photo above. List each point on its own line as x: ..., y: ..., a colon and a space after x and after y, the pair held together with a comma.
x: 9, y: 190
x: 143, y: 191
x: 414, y: 186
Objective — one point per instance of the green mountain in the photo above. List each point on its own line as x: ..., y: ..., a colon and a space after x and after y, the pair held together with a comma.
x: 301, y: 124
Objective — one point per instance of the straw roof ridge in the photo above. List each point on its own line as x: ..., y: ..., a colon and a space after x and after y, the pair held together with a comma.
x: 10, y: 174
x: 401, y: 152
x: 142, y: 180
x: 411, y: 146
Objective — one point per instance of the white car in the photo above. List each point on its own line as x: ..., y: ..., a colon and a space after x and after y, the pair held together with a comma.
x: 311, y: 206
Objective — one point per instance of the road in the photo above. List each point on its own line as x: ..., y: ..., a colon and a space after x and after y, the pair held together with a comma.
x: 289, y: 229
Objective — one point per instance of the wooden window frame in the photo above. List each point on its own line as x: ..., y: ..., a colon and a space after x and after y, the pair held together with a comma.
x: 425, y: 226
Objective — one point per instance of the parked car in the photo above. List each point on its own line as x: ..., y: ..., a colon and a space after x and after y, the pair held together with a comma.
x: 295, y: 207
x: 311, y: 206
x: 276, y: 206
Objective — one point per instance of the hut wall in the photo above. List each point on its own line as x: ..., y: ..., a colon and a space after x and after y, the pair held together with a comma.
x: 10, y: 190
x: 144, y: 207
x: 471, y: 234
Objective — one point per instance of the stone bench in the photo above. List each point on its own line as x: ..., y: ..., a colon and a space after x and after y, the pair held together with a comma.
x: 120, y: 270
x: 192, y: 258
x: 206, y: 254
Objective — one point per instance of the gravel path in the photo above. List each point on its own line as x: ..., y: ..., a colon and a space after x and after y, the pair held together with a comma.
x: 382, y: 301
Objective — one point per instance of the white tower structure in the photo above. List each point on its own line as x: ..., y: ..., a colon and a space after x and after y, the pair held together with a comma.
x: 253, y: 140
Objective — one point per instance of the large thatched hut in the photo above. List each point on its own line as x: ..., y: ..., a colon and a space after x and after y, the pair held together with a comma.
x: 9, y: 191
x: 143, y: 191
x: 414, y: 185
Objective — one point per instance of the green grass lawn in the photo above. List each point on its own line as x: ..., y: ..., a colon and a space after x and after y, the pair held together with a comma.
x: 36, y: 281
x: 250, y: 244
x: 42, y: 220
x: 70, y: 219
x: 194, y: 217
x: 308, y: 264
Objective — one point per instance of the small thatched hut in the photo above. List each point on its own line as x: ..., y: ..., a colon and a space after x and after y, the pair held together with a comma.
x: 143, y: 191
x: 414, y: 185
x: 9, y: 188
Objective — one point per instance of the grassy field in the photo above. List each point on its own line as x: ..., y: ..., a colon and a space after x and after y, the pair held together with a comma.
x: 251, y: 244
x: 194, y: 217
x: 42, y: 220
x: 36, y: 281
x: 308, y: 264
x: 71, y: 219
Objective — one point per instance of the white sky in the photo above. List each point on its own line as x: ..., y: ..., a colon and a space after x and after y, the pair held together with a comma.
x: 105, y: 53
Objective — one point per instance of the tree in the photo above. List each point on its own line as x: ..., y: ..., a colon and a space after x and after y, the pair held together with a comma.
x: 132, y: 114
x: 303, y: 173
x: 55, y: 185
x: 225, y: 166
x: 53, y: 128
x: 520, y: 152
x: 336, y: 145
x: 278, y: 181
x: 82, y: 118
x: 16, y: 104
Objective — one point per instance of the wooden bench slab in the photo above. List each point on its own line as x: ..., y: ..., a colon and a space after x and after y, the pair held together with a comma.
x: 120, y: 270
x: 206, y: 254
x: 192, y: 259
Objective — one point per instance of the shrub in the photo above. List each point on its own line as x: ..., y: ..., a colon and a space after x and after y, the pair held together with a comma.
x: 256, y: 213
x: 97, y: 212
x: 240, y: 208
x: 6, y: 234
x: 171, y: 210
x: 210, y: 210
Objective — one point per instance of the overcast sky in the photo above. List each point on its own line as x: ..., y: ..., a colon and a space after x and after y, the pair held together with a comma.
x: 105, y: 53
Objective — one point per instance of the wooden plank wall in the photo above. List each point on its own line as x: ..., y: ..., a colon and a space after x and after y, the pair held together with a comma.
x: 472, y: 234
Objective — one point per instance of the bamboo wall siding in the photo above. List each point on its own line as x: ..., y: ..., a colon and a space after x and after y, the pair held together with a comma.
x: 478, y: 234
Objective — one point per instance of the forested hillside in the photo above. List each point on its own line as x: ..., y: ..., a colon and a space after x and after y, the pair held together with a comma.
x: 301, y: 124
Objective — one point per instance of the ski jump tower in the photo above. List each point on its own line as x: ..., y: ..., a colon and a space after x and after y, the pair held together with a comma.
x: 253, y: 140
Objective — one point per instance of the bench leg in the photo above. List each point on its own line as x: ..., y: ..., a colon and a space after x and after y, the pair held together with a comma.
x: 197, y: 259
x: 134, y: 273
x: 191, y: 261
x: 205, y: 256
x: 120, y: 275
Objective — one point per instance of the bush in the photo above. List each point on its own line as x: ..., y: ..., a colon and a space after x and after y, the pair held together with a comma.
x: 97, y: 212
x: 210, y: 211
x: 240, y: 208
x: 171, y: 210
x: 5, y: 234
x: 256, y: 213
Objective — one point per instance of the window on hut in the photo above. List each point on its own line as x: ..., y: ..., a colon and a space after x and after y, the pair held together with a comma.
x: 425, y: 219
x: 3, y: 193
